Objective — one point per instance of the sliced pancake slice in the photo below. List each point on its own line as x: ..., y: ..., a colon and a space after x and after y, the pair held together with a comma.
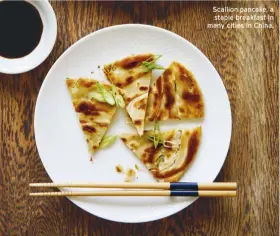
x: 175, y: 95
x: 133, y: 79
x: 94, y: 116
x: 169, y: 160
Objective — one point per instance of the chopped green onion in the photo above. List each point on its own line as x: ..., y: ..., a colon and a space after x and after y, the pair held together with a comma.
x: 159, y: 160
x: 108, y: 97
x: 152, y: 138
x: 120, y: 101
x: 118, y: 98
x: 156, y: 134
x: 97, y: 96
x: 107, y: 141
x: 151, y: 65
x: 156, y: 138
x: 167, y: 144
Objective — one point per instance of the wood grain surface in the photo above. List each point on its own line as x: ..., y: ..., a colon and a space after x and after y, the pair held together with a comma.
x: 247, y: 60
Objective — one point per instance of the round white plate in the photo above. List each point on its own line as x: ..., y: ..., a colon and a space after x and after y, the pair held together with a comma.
x: 61, y: 144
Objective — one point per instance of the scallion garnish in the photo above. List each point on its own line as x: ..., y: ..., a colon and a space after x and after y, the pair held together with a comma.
x: 118, y: 98
x: 97, y: 96
x: 156, y: 134
x: 151, y: 65
x: 159, y: 160
x: 107, y: 141
x: 108, y: 97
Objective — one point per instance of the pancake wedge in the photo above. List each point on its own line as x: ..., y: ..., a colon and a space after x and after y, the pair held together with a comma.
x: 94, y: 114
x: 171, y: 158
x: 175, y: 95
x: 133, y: 79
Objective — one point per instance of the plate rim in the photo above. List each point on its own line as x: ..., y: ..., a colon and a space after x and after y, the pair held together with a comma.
x: 175, y: 209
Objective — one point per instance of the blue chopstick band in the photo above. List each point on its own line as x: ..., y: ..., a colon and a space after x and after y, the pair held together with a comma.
x: 182, y: 193
x: 183, y: 185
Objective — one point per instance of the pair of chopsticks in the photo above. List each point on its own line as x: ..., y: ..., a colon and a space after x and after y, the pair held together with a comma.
x: 143, y: 189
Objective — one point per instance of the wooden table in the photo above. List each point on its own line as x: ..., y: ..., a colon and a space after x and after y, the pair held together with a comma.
x: 247, y: 60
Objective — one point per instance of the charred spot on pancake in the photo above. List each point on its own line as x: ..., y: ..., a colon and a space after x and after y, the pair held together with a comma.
x: 168, y: 90
x: 181, y: 68
x: 88, y: 128
x: 126, y: 82
x: 144, y: 157
x: 191, y: 97
x: 83, y: 121
x: 134, y: 61
x: 144, y: 88
x: 149, y: 150
x: 181, y: 109
x: 192, y: 147
x: 157, y: 93
x: 90, y: 108
x: 86, y: 108
x: 140, y: 74
x: 107, y: 69
x: 137, y: 122
x: 170, y: 100
x: 167, y: 73
x: 200, y: 109
x: 159, y: 85
x: 129, y: 80
x: 131, y: 64
x: 141, y: 105
x: 150, y: 153
x: 86, y: 83
x: 70, y: 83
x: 188, y: 80
x: 124, y: 140
x: 133, y: 146
x: 102, y: 124
x: 185, y: 75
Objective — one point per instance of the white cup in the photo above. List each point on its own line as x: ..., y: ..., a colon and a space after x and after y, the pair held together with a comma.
x: 43, y: 49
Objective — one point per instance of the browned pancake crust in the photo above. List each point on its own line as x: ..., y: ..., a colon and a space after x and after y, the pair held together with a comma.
x: 129, y: 64
x: 94, y: 116
x: 146, y: 152
x: 175, y: 95
x: 131, y: 77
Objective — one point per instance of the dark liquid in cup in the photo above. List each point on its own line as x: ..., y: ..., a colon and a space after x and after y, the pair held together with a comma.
x: 21, y: 28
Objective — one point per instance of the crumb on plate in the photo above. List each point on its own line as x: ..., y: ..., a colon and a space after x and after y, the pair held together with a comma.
x: 130, y: 175
x: 119, y: 168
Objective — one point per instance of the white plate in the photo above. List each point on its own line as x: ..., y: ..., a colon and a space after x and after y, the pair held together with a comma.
x: 61, y: 144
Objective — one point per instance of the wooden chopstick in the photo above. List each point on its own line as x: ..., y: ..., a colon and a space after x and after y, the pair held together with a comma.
x: 199, y: 193
x: 171, y: 186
